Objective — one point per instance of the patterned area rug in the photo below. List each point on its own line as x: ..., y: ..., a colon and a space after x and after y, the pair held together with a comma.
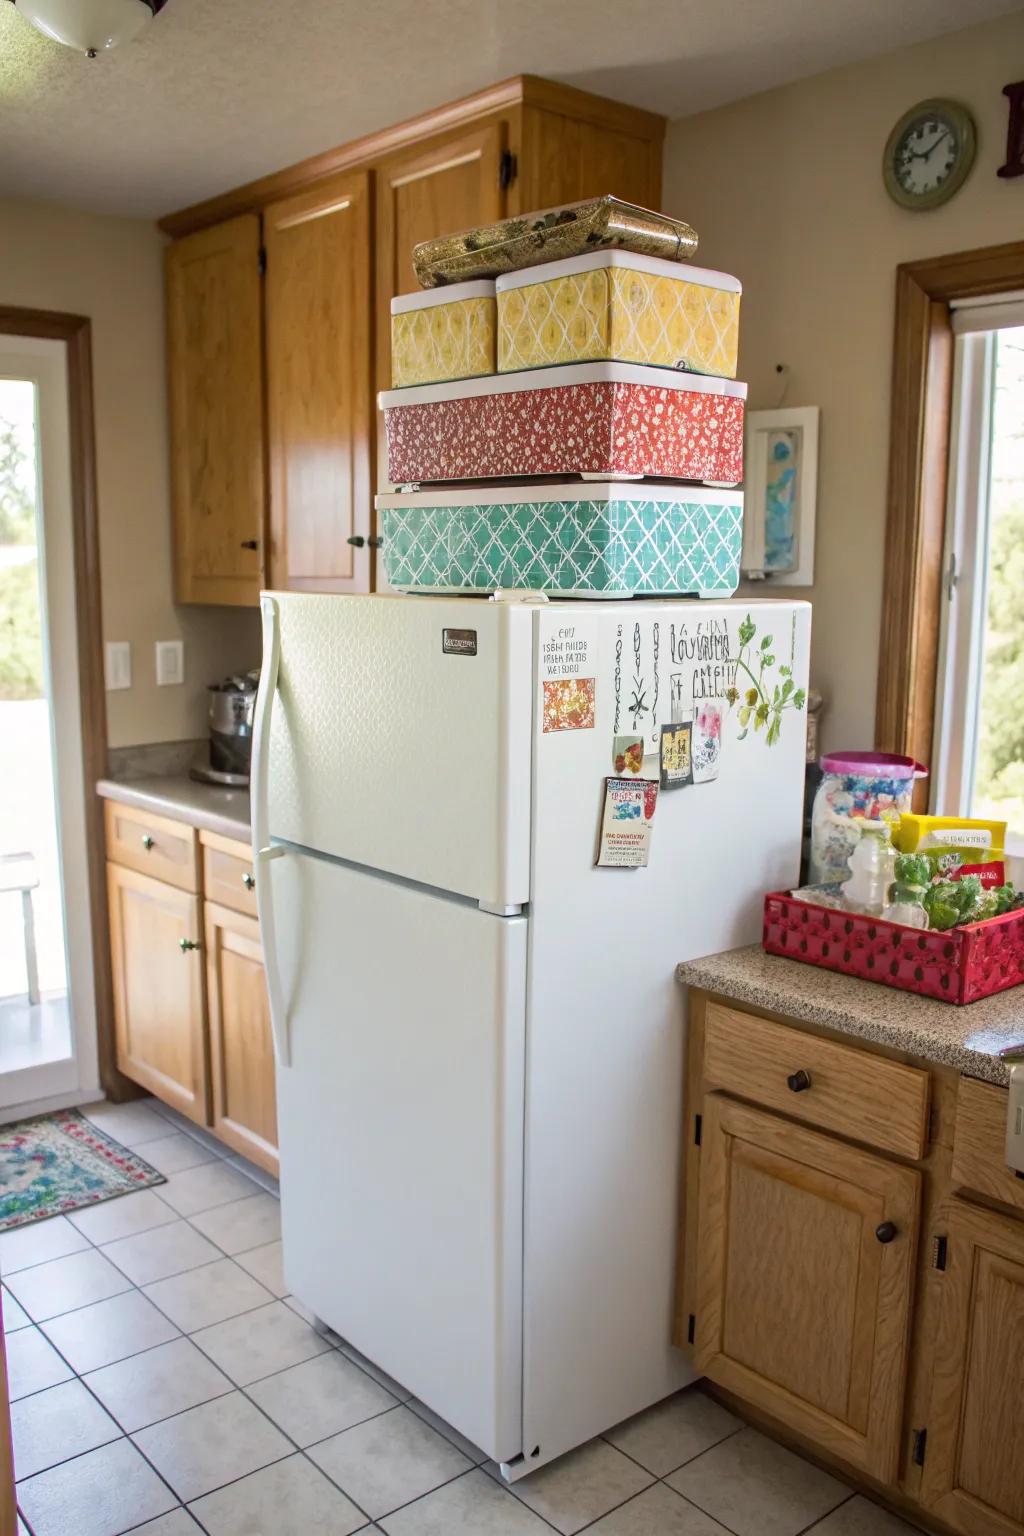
x: 61, y: 1162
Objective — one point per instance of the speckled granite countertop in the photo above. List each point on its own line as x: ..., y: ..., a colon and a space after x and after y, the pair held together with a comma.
x: 183, y: 799
x: 967, y: 1038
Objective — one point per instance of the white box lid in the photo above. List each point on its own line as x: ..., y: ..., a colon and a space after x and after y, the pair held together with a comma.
x: 482, y: 288
x: 649, y: 376
x: 680, y: 271
x: 491, y: 495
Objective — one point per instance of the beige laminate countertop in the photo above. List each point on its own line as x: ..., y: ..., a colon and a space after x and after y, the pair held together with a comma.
x: 183, y: 799
x: 966, y: 1038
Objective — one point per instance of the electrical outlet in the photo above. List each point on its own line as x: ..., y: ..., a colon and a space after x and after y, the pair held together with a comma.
x: 170, y: 662
x: 118, y: 664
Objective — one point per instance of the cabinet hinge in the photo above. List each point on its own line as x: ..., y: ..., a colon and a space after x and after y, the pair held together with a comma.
x: 698, y: 1128
x: 939, y: 1246
x: 691, y: 1329
x: 508, y: 169
x: 261, y: 260
x: 920, y: 1443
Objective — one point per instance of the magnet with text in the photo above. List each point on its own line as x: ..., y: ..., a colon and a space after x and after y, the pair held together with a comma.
x: 626, y: 821
x: 676, y: 754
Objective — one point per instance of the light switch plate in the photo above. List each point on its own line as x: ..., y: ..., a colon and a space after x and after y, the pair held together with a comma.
x: 170, y: 663
x: 118, y: 664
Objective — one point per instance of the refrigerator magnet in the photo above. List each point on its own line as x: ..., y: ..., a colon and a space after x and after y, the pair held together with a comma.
x: 707, y: 740
x: 569, y: 704
x: 626, y: 821
x: 676, y: 755
x: 628, y: 755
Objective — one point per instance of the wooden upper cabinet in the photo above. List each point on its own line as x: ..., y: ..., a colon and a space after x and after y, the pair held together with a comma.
x: 805, y: 1264
x: 319, y: 385
x: 974, y: 1452
x: 565, y: 158
x: 215, y: 362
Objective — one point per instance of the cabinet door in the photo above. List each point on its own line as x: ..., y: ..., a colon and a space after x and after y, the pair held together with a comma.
x: 241, y: 1052
x: 158, y: 989
x: 974, y: 1459
x: 319, y: 406
x: 215, y: 363
x: 565, y: 159
x: 805, y: 1270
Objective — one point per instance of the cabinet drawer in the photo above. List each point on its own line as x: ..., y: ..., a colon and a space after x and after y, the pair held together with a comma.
x: 979, y: 1154
x: 852, y: 1092
x: 228, y: 874
x: 154, y: 845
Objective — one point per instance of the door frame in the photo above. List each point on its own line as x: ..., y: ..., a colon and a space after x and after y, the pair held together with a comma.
x: 920, y: 412
x: 75, y: 331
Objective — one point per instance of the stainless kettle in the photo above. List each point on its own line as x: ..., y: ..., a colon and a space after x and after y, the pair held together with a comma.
x: 231, y: 710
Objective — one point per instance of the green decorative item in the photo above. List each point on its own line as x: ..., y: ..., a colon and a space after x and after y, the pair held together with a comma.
x: 763, y: 690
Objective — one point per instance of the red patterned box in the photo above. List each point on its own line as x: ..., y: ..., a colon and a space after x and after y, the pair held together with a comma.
x: 589, y: 419
x: 959, y: 966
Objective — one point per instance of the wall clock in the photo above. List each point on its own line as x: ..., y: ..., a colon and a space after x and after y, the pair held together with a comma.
x: 928, y: 154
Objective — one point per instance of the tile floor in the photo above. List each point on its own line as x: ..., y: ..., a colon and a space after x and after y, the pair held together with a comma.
x: 163, y: 1382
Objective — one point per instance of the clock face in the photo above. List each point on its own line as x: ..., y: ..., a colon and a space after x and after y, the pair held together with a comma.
x: 928, y: 154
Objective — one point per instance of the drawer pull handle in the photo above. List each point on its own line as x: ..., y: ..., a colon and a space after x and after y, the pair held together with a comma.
x: 886, y: 1231
x: 248, y: 880
x: 796, y: 1082
x: 186, y: 944
x: 147, y: 841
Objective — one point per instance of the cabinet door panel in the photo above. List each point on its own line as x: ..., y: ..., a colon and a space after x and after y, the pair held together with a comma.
x: 801, y: 1309
x: 241, y: 1052
x: 158, y: 989
x: 320, y: 412
x: 974, y: 1466
x: 215, y: 361
x: 565, y: 160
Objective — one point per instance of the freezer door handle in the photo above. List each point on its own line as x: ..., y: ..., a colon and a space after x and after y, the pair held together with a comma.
x: 263, y: 852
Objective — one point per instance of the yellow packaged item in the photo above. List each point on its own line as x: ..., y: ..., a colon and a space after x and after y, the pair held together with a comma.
x: 916, y: 834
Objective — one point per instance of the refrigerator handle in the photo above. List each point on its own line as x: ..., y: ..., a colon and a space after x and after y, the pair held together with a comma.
x: 263, y: 851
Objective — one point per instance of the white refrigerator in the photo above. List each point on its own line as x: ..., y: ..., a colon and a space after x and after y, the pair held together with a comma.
x: 478, y: 1031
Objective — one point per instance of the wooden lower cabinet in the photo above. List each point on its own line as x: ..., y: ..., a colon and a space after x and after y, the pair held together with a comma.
x: 973, y: 1474
x: 156, y: 958
x: 805, y: 1265
x: 244, y: 1111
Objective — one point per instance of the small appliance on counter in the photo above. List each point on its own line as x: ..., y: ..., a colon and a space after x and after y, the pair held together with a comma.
x: 232, y: 705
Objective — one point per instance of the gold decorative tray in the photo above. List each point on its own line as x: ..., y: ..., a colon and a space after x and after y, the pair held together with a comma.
x: 551, y: 235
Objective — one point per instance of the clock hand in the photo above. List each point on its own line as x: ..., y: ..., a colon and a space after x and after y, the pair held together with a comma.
x: 942, y: 136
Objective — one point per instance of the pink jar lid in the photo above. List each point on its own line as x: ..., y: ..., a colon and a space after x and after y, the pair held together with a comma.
x: 881, y: 765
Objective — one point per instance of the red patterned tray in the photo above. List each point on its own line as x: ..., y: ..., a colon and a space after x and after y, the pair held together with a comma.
x: 960, y: 966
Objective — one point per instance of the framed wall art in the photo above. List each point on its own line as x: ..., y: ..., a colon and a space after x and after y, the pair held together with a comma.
x: 780, y: 495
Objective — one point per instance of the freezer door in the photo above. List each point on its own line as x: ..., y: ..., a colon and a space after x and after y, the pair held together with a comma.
x: 401, y: 1133
x: 400, y: 738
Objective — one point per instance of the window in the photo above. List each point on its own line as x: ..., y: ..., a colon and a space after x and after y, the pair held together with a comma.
x: 979, y: 760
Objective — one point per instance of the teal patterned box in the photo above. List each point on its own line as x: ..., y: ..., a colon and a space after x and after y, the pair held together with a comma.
x: 601, y: 539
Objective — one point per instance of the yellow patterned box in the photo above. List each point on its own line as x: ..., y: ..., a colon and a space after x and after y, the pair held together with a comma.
x: 618, y: 307
x: 443, y: 334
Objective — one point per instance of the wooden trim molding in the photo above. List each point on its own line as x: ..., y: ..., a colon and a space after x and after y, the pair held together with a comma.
x: 76, y: 333
x: 922, y: 379
x: 529, y: 90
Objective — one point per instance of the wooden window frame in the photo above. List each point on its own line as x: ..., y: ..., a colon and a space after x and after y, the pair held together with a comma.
x: 922, y: 382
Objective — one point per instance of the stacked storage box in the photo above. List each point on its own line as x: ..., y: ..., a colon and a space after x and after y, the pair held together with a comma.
x: 612, y: 371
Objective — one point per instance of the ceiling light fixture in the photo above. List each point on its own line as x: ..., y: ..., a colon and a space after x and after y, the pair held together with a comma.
x: 90, y: 26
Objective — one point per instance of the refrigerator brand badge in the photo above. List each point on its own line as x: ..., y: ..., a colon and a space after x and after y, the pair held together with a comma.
x: 459, y: 642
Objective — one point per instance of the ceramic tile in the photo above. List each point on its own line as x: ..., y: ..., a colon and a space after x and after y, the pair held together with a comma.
x: 33, y: 1364
x: 100, y: 1494
x: 310, y: 1317
x: 53, y: 1425
x: 579, y: 1488
x: 165, y: 1251
x: 175, y: 1152
x: 474, y: 1505
x: 131, y: 1124
x: 474, y: 1453
x: 259, y: 1175
x: 212, y: 1445
x: 259, y: 1343
x: 681, y: 1427
x: 82, y: 1278
x: 122, y: 1217
x: 859, y: 1517
x: 146, y: 1388
x: 202, y: 1137
x: 290, y: 1498
x: 757, y: 1488
x: 265, y: 1265
x: 200, y: 1189
x: 178, y: 1523
x: 211, y: 1294
x: 381, y: 1377
x: 15, y: 1316
x: 242, y: 1224
x: 389, y: 1461
x: 320, y: 1398
x: 38, y: 1242
x: 109, y: 1330
x: 658, y: 1512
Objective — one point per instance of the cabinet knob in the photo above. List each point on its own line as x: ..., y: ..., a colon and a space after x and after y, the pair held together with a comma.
x: 376, y: 542
x: 796, y: 1082
x: 186, y: 944
x: 248, y: 880
x: 356, y: 539
x: 886, y: 1231
x: 250, y: 544
x: 147, y: 841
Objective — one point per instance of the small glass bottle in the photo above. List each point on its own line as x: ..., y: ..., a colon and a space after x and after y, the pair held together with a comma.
x: 871, y: 872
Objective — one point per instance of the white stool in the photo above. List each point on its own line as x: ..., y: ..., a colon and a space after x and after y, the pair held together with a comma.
x: 18, y: 872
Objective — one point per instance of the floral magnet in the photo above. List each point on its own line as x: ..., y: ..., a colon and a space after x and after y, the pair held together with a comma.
x: 569, y: 704
x: 628, y: 754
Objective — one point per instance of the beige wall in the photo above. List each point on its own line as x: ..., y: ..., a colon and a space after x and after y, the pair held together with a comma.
x: 111, y: 270
x: 786, y: 191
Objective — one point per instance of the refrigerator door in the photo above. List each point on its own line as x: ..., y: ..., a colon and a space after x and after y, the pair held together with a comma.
x: 400, y: 738
x: 401, y: 1133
